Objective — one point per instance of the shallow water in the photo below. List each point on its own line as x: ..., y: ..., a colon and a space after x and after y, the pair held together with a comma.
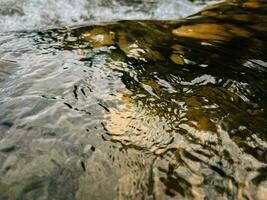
x: 136, y: 109
x: 42, y: 14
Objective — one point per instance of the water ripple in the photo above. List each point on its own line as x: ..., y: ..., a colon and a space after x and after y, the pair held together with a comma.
x: 136, y: 109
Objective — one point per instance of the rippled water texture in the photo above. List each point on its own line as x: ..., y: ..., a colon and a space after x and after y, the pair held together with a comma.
x: 137, y: 109
x: 40, y: 14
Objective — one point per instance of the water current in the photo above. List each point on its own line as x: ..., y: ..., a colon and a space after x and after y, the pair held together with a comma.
x: 42, y: 14
x: 91, y: 108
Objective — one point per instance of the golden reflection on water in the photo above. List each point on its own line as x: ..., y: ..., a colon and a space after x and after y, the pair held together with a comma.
x: 139, y: 109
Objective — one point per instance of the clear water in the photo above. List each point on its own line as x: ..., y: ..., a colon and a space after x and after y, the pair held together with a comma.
x: 128, y: 110
x: 36, y: 14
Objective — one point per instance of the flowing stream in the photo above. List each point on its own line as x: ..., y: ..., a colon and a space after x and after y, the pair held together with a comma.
x: 91, y: 108
x: 36, y: 14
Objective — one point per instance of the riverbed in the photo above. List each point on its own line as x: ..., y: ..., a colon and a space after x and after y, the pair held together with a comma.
x: 169, y: 103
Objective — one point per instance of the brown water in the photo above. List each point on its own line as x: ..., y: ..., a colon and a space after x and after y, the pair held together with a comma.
x: 137, y: 109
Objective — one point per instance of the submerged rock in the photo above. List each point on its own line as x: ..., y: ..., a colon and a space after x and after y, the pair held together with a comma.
x: 139, y: 109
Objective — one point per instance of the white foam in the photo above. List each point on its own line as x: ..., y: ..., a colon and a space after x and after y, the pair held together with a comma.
x: 39, y: 14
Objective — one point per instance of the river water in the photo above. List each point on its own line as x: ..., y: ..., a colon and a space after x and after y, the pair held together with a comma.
x: 36, y: 14
x: 85, y: 113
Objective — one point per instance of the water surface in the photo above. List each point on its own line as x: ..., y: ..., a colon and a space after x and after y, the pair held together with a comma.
x: 137, y: 109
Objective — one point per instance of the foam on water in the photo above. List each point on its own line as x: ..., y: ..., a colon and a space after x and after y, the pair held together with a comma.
x: 39, y: 14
